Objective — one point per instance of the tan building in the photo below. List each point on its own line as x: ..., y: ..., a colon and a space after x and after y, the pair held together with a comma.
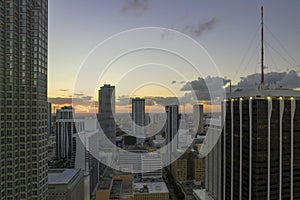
x: 198, y: 169
x: 65, y: 184
x: 189, y: 167
x: 179, y: 169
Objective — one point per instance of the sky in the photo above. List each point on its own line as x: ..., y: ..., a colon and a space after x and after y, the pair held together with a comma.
x: 84, y: 36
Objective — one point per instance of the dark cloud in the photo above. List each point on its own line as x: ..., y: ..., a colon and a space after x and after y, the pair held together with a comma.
x: 63, y: 90
x: 209, y: 88
x: 82, y: 101
x: 149, y: 101
x: 137, y: 6
x: 123, y: 100
x: 289, y: 80
x: 199, y: 29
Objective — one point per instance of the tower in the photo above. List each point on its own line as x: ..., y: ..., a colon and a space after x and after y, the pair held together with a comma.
x: 172, y: 126
x: 23, y: 97
x: 261, y: 144
x: 106, y: 111
x: 138, y: 119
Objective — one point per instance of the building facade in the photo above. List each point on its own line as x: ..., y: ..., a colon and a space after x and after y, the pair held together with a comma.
x: 261, y: 145
x: 198, y: 118
x: 138, y: 119
x: 23, y: 99
x: 66, y: 184
x: 66, y: 134
x: 213, y: 162
x: 106, y: 111
x: 171, y: 129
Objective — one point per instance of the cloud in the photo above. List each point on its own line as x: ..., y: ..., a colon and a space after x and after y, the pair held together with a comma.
x: 80, y: 101
x: 137, y: 6
x: 199, y: 29
x: 149, y: 101
x: 289, y: 80
x: 209, y: 88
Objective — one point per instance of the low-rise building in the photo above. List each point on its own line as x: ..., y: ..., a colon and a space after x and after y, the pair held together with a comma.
x: 65, y: 184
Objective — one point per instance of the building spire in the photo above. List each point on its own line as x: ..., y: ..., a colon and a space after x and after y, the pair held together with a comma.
x: 262, y: 47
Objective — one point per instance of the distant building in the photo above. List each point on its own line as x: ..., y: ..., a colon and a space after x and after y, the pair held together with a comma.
x: 65, y: 184
x: 151, y: 166
x: 117, y: 187
x: 180, y: 169
x: 151, y: 191
x: 172, y: 126
x: 49, y: 118
x: 189, y: 167
x: 123, y: 187
x: 213, y: 175
x: 66, y: 131
x: 138, y: 119
x: 198, y: 118
x: 86, y: 142
x: 106, y: 112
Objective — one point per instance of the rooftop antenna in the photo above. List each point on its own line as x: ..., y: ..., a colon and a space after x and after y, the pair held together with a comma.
x: 262, y: 47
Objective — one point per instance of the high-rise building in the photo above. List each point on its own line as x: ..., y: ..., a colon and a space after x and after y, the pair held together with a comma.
x: 66, y: 134
x: 213, y: 162
x: 106, y: 111
x: 172, y: 126
x: 138, y: 119
x: 198, y: 118
x: 23, y: 97
x: 49, y: 117
x: 261, y: 144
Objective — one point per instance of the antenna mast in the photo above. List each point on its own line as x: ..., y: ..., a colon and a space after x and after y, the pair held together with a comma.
x: 262, y: 46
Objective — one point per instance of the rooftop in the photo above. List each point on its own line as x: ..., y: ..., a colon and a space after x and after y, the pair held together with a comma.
x: 152, y: 187
x: 202, y: 194
x: 263, y: 92
x: 62, y: 176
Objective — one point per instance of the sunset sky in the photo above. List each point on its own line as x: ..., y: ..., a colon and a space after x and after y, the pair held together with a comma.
x: 229, y: 33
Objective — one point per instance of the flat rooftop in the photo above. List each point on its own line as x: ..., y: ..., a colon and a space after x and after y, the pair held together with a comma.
x: 153, y: 187
x: 61, y: 176
x: 263, y: 92
x: 202, y: 194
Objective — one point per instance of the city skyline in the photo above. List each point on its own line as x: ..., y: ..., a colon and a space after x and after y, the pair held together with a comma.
x: 214, y: 26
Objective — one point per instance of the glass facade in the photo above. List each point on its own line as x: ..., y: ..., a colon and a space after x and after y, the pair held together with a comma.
x: 267, y: 129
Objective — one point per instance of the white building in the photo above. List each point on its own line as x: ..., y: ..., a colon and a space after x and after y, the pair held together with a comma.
x: 66, y: 129
x: 151, y: 166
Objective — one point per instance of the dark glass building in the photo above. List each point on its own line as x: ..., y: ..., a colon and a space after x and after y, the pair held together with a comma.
x: 261, y: 144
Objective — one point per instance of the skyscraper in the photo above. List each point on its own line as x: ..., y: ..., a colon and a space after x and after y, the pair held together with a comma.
x: 261, y: 144
x: 106, y: 111
x: 172, y: 126
x: 138, y: 119
x: 23, y: 97
x: 66, y: 134
x: 198, y: 118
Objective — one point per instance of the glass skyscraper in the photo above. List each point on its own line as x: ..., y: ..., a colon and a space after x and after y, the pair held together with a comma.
x: 23, y: 99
